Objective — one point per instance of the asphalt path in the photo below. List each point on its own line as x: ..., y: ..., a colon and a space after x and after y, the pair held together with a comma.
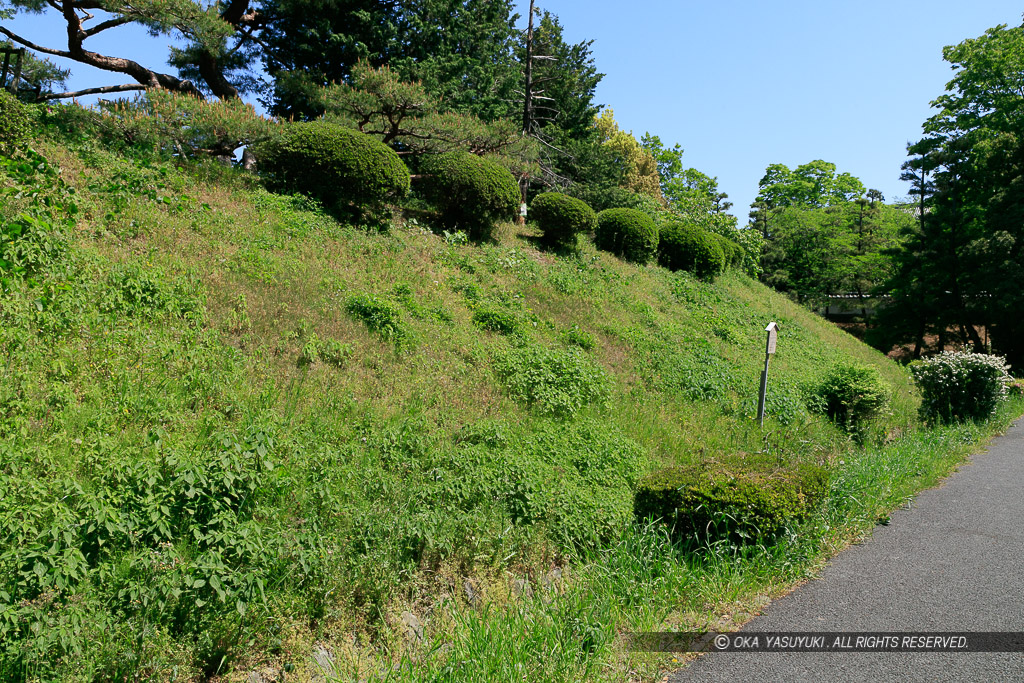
x: 952, y: 561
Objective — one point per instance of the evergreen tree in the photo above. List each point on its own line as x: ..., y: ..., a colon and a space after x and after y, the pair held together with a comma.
x: 963, y: 262
x: 460, y: 50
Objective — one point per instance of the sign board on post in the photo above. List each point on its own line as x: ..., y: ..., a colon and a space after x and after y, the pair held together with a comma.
x: 769, y: 349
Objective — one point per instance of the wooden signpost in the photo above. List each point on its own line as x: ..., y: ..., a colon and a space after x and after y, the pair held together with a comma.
x: 769, y: 349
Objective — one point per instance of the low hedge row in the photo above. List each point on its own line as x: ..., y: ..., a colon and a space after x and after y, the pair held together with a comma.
x: 689, y: 248
x: 712, y: 501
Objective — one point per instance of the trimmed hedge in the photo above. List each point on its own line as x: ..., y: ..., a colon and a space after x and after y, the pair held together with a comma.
x: 687, y: 247
x: 732, y: 252
x: 604, y: 198
x: 14, y: 120
x: 561, y: 218
x: 629, y: 233
x: 710, y: 502
x: 334, y: 164
x: 470, y: 192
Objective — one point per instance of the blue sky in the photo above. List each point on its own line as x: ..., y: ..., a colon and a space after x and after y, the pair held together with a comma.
x: 741, y: 84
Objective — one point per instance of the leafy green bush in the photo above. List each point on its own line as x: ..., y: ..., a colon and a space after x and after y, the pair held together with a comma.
x: 70, y: 121
x: 732, y: 252
x: 629, y: 233
x: 561, y: 218
x: 575, y: 479
x: 35, y: 238
x: 552, y: 382
x: 183, y: 124
x: 716, y: 501
x: 14, y: 121
x: 171, y: 539
x: 851, y: 395
x: 604, y: 198
x: 689, y: 248
x: 471, y: 192
x: 958, y: 385
x: 496, y: 320
x: 330, y: 351
x: 380, y: 315
x: 342, y: 168
x: 134, y: 290
x: 574, y: 336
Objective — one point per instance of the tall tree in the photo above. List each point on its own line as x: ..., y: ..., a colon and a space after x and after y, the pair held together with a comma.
x: 564, y: 78
x: 823, y: 232
x: 813, y: 185
x: 639, y: 167
x: 965, y: 258
x: 805, y: 253
x: 39, y: 77
x: 558, y: 109
x: 460, y: 50
x: 691, y: 194
x: 414, y: 122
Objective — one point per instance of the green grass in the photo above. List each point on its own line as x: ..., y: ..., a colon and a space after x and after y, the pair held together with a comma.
x: 235, y: 433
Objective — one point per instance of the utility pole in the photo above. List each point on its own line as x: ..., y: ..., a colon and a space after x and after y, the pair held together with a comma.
x: 524, y: 180
x: 533, y: 113
x: 528, y: 90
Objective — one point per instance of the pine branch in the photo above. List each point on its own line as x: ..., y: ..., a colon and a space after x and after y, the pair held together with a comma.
x: 90, y: 91
x: 112, y: 23
x: 29, y: 44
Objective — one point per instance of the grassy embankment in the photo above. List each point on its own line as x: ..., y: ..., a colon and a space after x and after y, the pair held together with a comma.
x: 238, y: 436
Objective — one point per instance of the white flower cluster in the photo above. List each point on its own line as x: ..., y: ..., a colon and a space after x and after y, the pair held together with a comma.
x: 959, y: 384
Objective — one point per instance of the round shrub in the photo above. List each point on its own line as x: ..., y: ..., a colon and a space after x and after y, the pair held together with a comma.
x: 629, y: 233
x: 14, y: 120
x: 471, y: 192
x: 334, y: 164
x: 957, y: 385
x: 851, y: 395
x: 561, y: 218
x: 689, y: 248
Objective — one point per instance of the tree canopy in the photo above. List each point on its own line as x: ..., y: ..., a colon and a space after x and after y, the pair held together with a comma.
x: 963, y: 260
x: 639, y: 168
x: 692, y: 195
x: 823, y: 232
x: 460, y: 50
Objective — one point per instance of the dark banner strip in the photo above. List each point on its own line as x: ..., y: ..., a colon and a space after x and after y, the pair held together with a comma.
x: 808, y: 641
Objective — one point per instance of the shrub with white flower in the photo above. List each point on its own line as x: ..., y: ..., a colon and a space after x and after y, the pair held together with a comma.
x: 958, y: 385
